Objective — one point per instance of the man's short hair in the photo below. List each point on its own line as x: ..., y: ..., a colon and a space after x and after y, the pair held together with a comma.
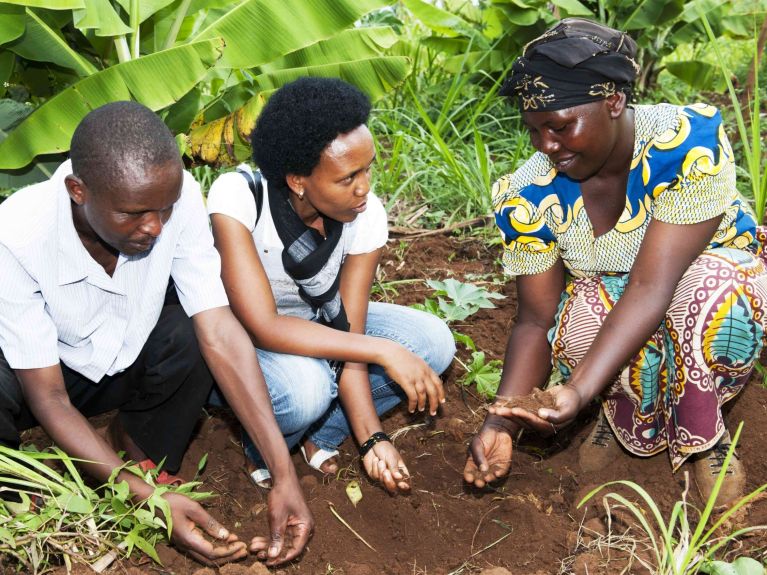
x: 117, y: 141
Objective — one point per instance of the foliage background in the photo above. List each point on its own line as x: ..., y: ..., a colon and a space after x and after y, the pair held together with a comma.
x: 433, y: 67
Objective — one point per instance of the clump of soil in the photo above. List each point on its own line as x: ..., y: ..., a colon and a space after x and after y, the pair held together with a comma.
x: 531, y: 402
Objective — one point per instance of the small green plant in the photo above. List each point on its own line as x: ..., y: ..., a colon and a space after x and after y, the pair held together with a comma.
x: 464, y: 299
x: 58, y: 518
x: 486, y: 374
x: 680, y: 545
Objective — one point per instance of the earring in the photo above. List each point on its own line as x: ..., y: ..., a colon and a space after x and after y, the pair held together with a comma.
x: 301, y: 195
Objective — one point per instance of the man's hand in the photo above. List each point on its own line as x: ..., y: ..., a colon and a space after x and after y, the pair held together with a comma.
x: 191, y: 522
x: 567, y: 403
x: 489, y: 454
x: 383, y: 463
x: 290, y: 523
x: 415, y: 377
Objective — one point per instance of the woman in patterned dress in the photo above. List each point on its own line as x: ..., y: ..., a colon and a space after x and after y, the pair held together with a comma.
x: 639, y: 267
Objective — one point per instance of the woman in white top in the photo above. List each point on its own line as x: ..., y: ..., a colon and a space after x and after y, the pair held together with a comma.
x: 306, y: 305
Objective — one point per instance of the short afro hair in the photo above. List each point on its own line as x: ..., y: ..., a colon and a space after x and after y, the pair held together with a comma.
x: 300, y: 120
x: 118, y: 140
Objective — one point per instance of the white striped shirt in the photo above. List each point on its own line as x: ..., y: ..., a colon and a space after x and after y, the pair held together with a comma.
x: 58, y: 304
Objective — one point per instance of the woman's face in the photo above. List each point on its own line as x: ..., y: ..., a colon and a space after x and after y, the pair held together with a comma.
x: 338, y: 186
x: 579, y: 140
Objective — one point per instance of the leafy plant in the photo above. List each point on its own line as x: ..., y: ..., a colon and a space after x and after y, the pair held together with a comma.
x: 464, y: 299
x: 741, y: 566
x: 207, y: 65
x: 58, y: 515
x: 485, y: 374
x: 682, y: 545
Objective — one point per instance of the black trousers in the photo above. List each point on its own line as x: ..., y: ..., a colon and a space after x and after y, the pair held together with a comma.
x: 159, y: 398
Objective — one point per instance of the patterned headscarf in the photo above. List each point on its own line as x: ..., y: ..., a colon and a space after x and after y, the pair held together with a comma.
x: 575, y: 62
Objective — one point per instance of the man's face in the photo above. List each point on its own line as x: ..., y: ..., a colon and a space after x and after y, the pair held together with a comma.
x: 130, y: 216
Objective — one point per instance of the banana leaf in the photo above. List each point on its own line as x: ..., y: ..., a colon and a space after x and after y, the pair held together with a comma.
x: 49, y: 4
x: 99, y: 15
x: 219, y: 142
x: 11, y: 23
x: 259, y: 31
x: 49, y: 129
x: 43, y: 44
x: 147, y: 8
x: 11, y: 114
x: 440, y: 21
x: 354, y: 44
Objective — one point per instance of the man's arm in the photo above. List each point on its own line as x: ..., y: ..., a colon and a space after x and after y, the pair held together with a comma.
x: 231, y: 357
x: 46, y: 396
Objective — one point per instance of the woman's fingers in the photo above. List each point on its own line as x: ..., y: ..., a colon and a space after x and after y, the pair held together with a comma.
x: 435, y: 392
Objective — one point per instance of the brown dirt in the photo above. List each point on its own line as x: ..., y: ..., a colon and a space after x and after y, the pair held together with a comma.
x: 444, y: 526
x: 532, y: 402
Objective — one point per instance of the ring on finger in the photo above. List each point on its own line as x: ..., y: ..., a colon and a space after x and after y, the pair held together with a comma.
x: 554, y: 427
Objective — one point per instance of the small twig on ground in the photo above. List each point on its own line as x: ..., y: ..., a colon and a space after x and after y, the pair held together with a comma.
x: 412, y: 233
x: 473, y: 555
x: 349, y: 527
x: 473, y: 537
x: 403, y: 430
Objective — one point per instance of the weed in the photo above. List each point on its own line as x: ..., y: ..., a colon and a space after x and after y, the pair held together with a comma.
x: 58, y: 516
x: 485, y: 374
x: 465, y: 299
x: 681, y: 545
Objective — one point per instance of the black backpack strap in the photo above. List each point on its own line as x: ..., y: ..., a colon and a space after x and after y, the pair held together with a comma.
x: 256, y: 186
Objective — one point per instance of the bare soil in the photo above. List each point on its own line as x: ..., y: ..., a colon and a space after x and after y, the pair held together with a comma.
x: 531, y: 402
x: 527, y: 523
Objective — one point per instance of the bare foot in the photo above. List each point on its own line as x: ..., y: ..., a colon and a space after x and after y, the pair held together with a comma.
x: 329, y: 466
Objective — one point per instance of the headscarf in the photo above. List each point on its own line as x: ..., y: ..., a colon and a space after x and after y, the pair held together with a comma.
x: 575, y: 62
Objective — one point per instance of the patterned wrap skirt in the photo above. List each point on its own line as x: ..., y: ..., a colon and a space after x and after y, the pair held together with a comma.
x: 671, y: 393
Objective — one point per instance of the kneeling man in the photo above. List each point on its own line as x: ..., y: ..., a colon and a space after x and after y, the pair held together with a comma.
x: 89, y: 322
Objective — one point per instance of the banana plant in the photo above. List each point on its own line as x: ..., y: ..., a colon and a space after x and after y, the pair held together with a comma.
x: 202, y: 64
x: 488, y: 36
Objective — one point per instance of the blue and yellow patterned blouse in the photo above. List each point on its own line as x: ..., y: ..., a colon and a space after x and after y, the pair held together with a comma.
x: 682, y: 172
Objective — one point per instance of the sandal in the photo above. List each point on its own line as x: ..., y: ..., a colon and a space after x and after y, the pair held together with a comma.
x: 163, y: 477
x: 261, y: 477
x: 319, y: 457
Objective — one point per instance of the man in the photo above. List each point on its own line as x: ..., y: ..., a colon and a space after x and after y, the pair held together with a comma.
x: 86, y: 324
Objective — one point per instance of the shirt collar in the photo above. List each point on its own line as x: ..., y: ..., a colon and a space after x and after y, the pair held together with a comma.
x: 72, y: 262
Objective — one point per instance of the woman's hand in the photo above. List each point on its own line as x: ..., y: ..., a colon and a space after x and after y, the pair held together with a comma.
x: 383, y: 463
x: 489, y: 453
x: 414, y: 376
x: 567, y: 403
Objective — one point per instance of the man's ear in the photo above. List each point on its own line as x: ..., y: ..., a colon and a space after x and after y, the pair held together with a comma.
x: 616, y: 104
x: 76, y: 189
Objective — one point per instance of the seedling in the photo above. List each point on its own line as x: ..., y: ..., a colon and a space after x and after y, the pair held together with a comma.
x: 485, y: 374
x: 463, y: 299
x: 683, y: 545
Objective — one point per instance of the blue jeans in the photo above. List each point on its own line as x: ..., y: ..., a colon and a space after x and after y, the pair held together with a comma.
x: 304, y: 392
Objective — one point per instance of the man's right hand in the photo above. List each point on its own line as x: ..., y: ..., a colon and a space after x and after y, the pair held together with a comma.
x: 190, y: 525
x: 489, y: 454
x: 419, y: 382
x: 290, y: 523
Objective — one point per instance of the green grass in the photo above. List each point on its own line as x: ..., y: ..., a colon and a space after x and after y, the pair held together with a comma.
x: 60, y: 519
